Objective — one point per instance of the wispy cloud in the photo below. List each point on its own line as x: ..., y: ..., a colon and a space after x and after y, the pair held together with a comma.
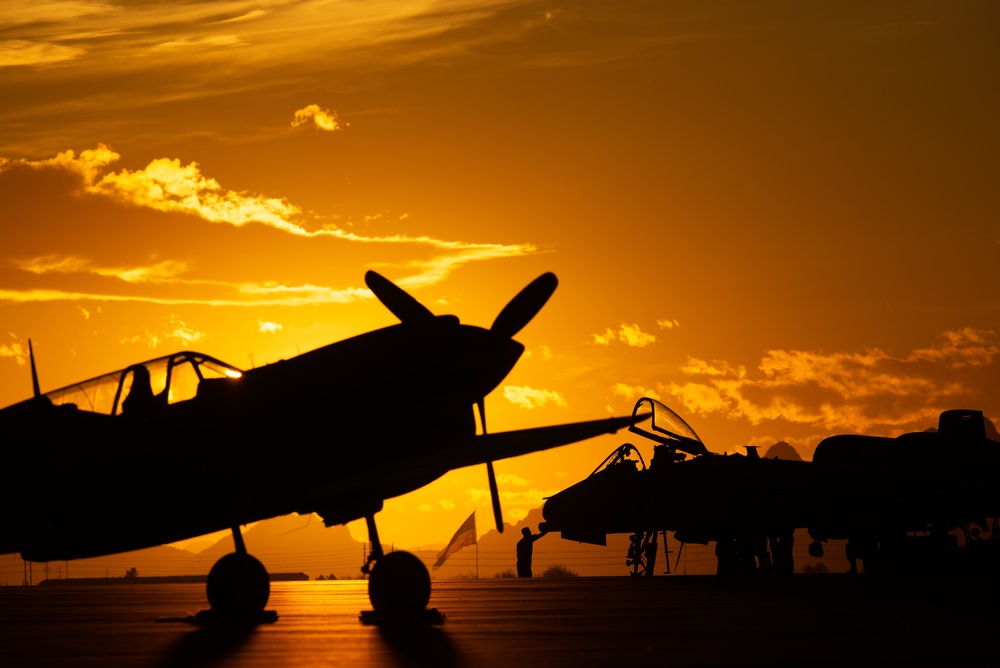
x: 175, y: 331
x: 19, y: 52
x: 169, y: 272
x: 202, y: 42
x: 249, y: 16
x: 25, y: 12
x: 69, y: 264
x: 262, y: 295
x: 167, y: 185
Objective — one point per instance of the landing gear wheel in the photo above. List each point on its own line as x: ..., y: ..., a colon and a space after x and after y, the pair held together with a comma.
x: 238, y: 587
x: 399, y: 587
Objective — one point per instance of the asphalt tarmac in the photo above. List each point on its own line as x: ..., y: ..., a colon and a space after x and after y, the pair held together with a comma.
x: 579, y: 622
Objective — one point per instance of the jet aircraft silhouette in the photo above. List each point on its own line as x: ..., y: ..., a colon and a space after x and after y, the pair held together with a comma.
x: 899, y: 502
x: 186, y: 444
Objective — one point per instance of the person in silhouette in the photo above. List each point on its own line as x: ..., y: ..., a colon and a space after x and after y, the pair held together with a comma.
x: 524, y: 550
x: 140, y: 398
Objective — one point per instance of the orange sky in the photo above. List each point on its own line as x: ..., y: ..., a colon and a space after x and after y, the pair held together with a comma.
x: 780, y: 218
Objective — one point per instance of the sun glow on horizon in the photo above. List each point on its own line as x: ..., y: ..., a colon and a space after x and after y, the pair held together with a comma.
x: 782, y: 226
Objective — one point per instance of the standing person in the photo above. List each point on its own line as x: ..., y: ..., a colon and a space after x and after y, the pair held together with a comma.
x: 524, y: 549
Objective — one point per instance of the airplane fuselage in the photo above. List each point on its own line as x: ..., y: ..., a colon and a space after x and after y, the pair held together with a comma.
x: 321, y: 432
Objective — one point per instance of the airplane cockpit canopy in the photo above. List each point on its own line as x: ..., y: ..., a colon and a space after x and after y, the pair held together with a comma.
x: 164, y: 380
x: 667, y: 427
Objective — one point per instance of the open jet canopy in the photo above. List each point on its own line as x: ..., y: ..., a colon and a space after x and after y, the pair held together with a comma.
x: 667, y: 427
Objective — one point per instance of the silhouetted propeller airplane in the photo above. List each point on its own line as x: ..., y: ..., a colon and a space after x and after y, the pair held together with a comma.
x: 185, y: 445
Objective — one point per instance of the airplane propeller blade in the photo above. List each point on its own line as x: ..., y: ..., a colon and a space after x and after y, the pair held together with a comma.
x: 495, y: 496
x: 491, y: 474
x: 522, y: 308
x: 399, y: 302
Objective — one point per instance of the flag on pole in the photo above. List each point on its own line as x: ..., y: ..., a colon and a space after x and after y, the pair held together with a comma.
x: 466, y: 535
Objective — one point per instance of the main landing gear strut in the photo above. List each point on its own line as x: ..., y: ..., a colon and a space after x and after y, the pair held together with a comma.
x: 399, y: 585
x: 238, y: 585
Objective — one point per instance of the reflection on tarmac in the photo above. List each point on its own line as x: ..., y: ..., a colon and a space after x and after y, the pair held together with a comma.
x: 579, y: 622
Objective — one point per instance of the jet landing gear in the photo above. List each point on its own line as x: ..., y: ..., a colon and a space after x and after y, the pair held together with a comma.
x: 399, y: 585
x: 238, y: 587
x: 642, y: 552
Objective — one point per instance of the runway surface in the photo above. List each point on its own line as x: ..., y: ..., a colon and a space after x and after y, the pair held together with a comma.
x: 579, y: 622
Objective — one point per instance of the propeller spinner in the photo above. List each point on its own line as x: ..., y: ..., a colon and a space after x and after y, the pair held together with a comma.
x: 512, y: 318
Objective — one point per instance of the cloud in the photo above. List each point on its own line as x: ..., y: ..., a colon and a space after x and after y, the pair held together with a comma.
x: 527, y: 397
x: 264, y: 295
x: 843, y: 391
x: 21, y: 12
x: 667, y: 324
x: 967, y: 347
x: 167, y: 185
x: 267, y: 327
x: 511, y: 479
x: 323, y: 119
x: 175, y: 331
x: 296, y: 295
x: 69, y: 264
x: 696, y: 367
x: 16, y: 351
x: 630, y: 335
x: 531, y: 498
x: 630, y: 392
x: 249, y: 16
x: 515, y: 515
x: 206, y: 42
x: 169, y: 272
x: 19, y: 52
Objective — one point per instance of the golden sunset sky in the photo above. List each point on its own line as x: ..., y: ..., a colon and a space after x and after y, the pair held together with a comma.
x: 779, y: 217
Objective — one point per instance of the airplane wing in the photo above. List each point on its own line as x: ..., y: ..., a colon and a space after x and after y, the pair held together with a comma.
x: 483, y: 448
x: 506, y: 444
